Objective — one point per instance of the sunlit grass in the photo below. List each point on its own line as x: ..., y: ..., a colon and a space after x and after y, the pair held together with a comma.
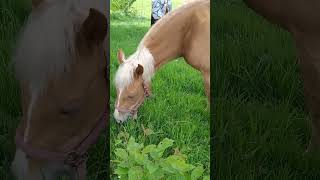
x: 12, y: 15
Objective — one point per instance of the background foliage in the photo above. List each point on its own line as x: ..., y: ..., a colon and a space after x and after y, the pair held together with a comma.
x: 122, y: 6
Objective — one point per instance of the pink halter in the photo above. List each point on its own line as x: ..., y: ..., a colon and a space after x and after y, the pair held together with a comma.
x: 75, y: 158
x: 134, y: 109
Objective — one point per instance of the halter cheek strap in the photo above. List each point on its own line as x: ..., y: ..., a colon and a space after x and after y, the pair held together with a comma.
x: 134, y: 109
x: 147, y: 90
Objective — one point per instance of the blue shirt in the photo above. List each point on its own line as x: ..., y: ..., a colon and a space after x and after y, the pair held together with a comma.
x: 159, y: 8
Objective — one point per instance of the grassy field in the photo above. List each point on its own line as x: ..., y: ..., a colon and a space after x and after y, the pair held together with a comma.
x: 260, y: 126
x: 178, y: 108
x: 12, y: 15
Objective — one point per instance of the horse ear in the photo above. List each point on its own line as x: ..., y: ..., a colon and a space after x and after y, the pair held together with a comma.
x: 121, y: 56
x: 139, y: 71
x: 95, y: 27
x: 36, y: 3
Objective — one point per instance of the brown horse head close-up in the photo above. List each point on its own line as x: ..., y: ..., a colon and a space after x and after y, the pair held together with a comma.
x: 60, y: 61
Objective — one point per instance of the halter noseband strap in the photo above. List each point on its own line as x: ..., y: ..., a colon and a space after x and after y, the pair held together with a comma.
x: 75, y: 158
x: 133, y: 110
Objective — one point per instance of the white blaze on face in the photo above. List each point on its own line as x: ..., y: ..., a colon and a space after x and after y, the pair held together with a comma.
x: 30, y: 108
x: 119, y: 95
x: 120, y: 116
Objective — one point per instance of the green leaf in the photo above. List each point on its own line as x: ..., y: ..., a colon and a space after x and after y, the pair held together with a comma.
x: 179, y: 177
x: 167, y: 167
x: 156, y: 154
x: 124, y: 164
x: 117, y: 142
x: 178, y: 163
x: 206, y: 178
x: 164, y: 144
x: 133, y: 146
x: 123, y: 177
x: 197, y: 172
x: 121, y: 171
x: 157, y: 175
x: 152, y: 167
x: 121, y: 153
x: 135, y: 173
x: 139, y: 158
x: 149, y: 148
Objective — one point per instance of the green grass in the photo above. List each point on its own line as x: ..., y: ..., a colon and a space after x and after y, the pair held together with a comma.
x: 12, y: 15
x: 260, y: 126
x: 178, y: 109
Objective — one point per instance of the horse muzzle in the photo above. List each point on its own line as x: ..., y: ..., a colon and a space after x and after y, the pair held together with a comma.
x: 121, y: 116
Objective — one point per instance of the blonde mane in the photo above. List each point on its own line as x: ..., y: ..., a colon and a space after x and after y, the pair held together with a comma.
x: 124, y: 74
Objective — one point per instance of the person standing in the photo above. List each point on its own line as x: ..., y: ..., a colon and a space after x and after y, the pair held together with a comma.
x: 159, y: 9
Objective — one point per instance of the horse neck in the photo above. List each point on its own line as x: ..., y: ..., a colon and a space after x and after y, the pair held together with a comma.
x: 165, y: 39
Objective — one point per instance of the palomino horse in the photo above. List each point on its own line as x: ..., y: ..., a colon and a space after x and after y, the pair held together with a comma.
x: 184, y: 32
x: 302, y: 20
x: 60, y: 62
